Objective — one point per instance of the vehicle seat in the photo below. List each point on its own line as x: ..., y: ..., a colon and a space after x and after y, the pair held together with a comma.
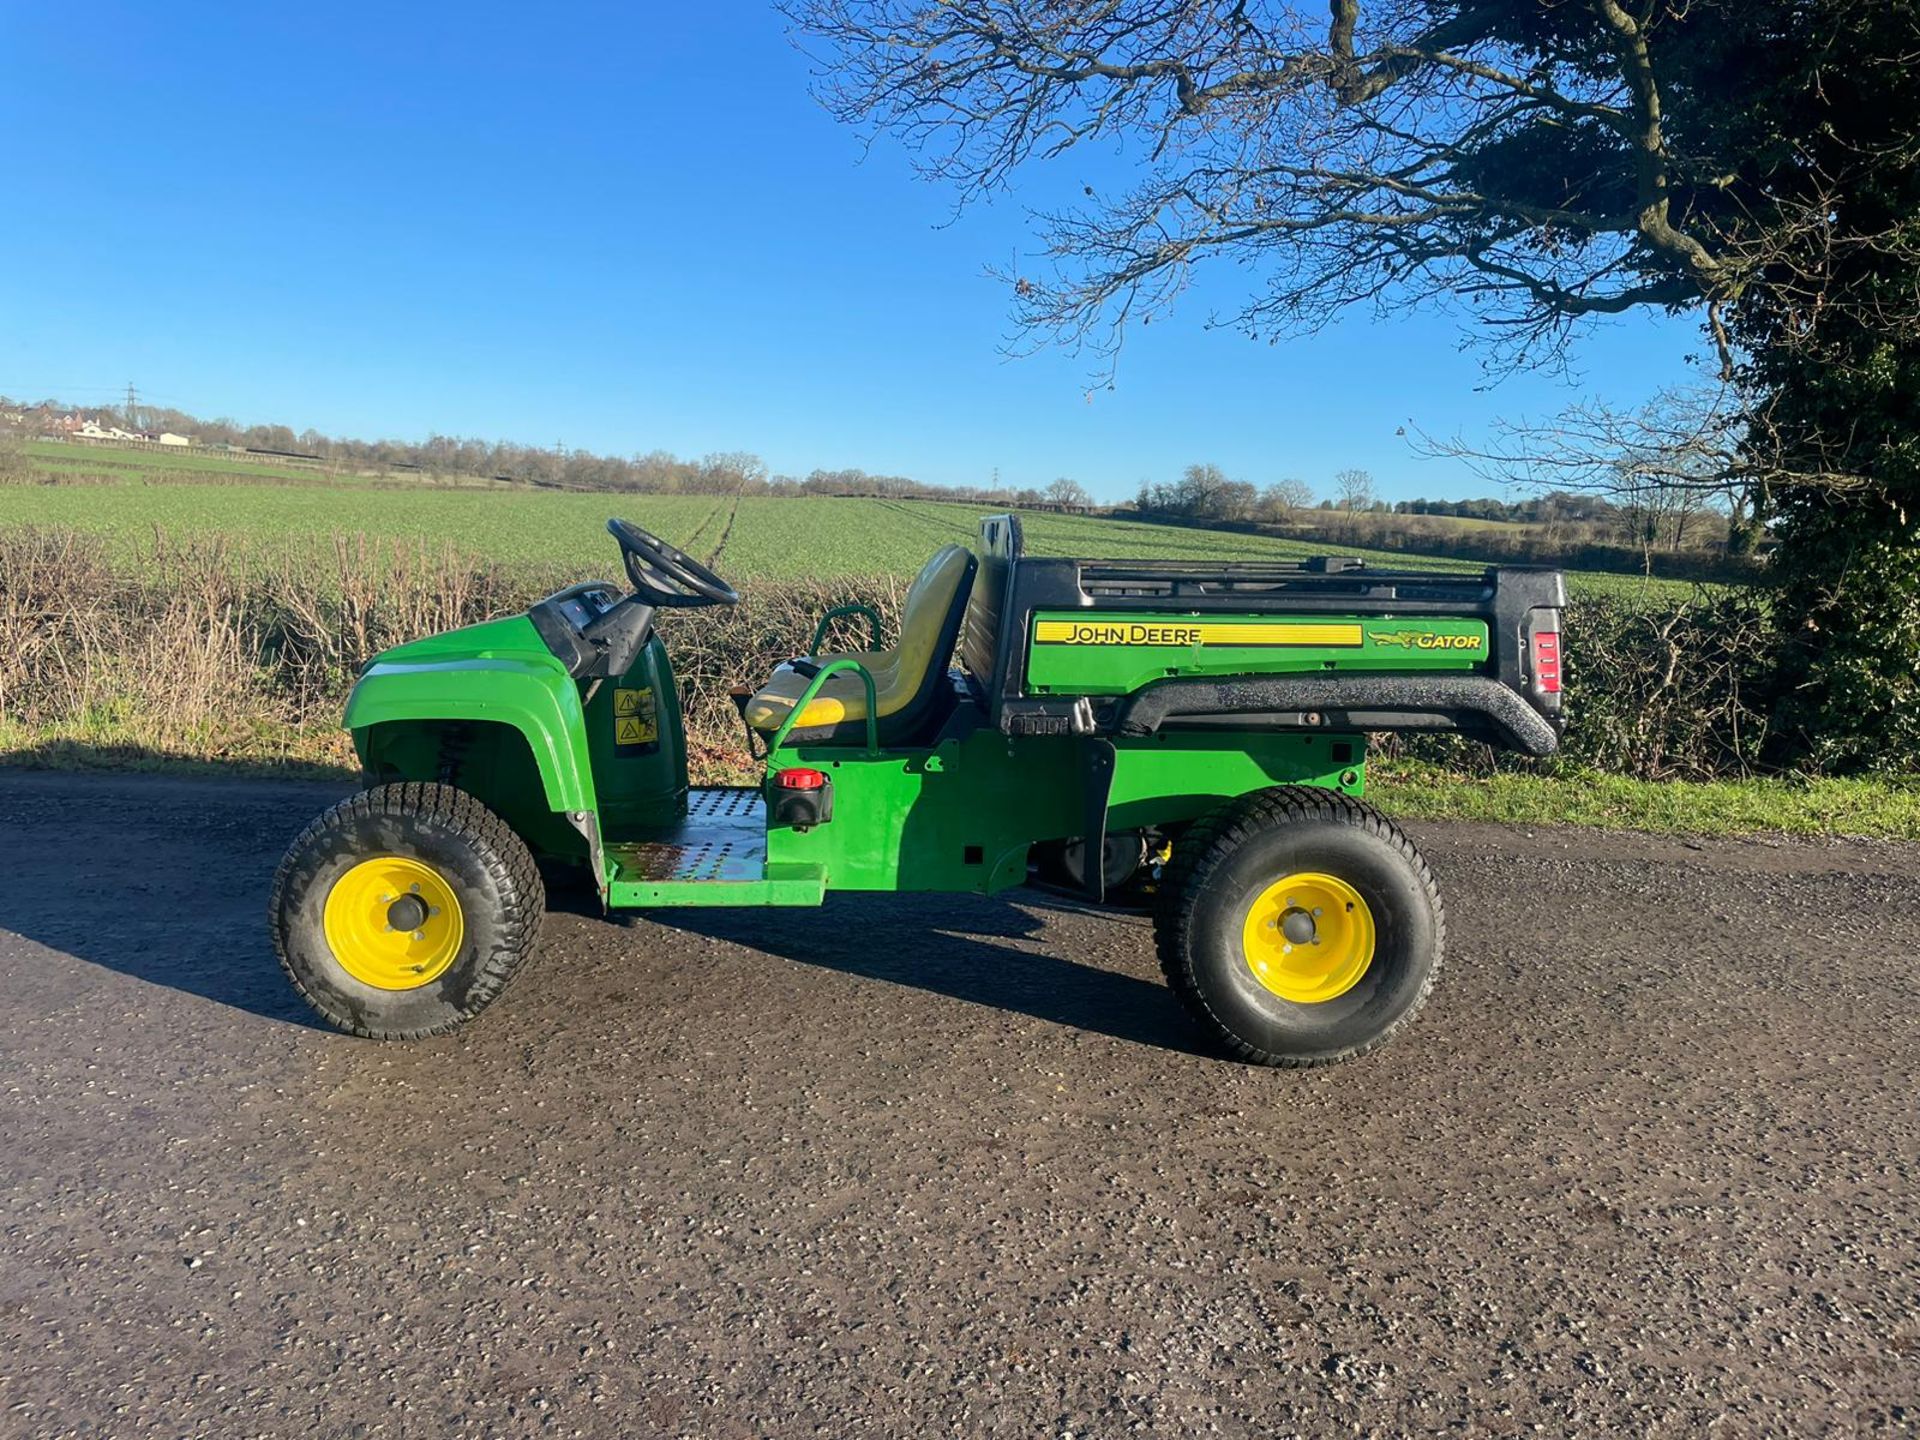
x: 911, y: 689
x: 998, y: 552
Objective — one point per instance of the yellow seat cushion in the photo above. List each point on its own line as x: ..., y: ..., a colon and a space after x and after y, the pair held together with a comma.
x: 897, y: 673
x: 843, y: 697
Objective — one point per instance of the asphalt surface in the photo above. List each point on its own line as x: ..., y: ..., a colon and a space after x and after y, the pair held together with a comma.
x: 1646, y: 1166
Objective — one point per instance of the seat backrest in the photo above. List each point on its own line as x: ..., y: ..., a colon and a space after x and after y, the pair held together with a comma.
x: 931, y: 615
x: 913, y: 690
x: 999, y: 548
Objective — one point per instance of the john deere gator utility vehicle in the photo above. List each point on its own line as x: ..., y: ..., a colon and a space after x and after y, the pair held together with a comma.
x: 1190, y: 733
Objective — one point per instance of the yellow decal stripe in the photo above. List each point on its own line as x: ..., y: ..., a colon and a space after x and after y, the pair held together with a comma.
x: 1198, y: 632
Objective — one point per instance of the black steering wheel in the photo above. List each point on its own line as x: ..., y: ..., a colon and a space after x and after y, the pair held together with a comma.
x: 666, y: 576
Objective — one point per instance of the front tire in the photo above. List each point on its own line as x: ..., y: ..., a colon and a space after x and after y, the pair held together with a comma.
x: 403, y: 911
x: 1300, y: 927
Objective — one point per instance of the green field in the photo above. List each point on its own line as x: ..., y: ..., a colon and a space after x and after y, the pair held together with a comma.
x: 133, y: 465
x: 763, y: 538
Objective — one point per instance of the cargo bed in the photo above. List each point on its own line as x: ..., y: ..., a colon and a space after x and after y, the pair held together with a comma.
x: 1331, y: 644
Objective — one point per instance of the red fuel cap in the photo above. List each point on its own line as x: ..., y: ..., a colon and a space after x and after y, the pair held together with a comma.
x: 800, y: 778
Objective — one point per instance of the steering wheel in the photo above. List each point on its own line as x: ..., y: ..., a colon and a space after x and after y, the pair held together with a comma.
x: 666, y: 576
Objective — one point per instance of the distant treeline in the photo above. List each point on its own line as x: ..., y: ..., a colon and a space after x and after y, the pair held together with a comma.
x: 1549, y: 509
x: 1632, y: 520
x: 1349, y: 512
x: 655, y: 472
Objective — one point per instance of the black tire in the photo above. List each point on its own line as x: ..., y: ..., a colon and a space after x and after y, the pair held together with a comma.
x: 1224, y: 863
x: 472, y: 850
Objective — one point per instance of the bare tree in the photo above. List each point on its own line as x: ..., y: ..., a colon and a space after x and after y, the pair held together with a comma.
x: 1521, y: 161
x: 738, y: 470
x: 1235, y: 500
x: 1198, y: 492
x: 1354, y: 490
x: 1068, y: 492
x: 1689, y: 452
x: 1281, y: 500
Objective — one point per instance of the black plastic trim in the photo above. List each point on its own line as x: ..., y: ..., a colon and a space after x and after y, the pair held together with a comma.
x: 608, y: 644
x: 1477, y: 704
x: 1096, y: 773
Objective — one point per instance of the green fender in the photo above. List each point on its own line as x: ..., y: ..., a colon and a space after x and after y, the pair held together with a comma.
x: 498, y: 673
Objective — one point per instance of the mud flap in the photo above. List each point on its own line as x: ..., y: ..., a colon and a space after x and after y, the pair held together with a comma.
x: 1097, y: 764
x: 587, y: 822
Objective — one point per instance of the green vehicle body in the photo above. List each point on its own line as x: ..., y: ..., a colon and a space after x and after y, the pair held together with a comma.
x: 595, y: 771
x: 960, y: 815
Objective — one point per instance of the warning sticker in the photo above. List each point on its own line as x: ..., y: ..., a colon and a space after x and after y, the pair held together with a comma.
x: 636, y: 719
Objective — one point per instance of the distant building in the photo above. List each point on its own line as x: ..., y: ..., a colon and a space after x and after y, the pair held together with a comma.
x: 167, y: 437
x: 91, y: 430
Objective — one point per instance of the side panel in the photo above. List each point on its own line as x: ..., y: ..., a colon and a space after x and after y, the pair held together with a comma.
x: 962, y: 816
x: 958, y: 817
x: 1085, y: 652
x: 1177, y: 775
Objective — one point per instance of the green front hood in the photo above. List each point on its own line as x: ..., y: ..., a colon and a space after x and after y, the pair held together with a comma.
x: 509, y: 635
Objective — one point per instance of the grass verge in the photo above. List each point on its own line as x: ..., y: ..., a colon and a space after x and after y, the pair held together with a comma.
x: 274, y: 752
x: 1882, y: 808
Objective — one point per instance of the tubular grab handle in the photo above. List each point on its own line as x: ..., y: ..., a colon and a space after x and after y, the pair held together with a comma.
x: 840, y: 611
x: 826, y: 672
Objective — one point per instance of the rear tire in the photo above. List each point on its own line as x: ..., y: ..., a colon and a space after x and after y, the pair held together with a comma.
x: 356, y: 883
x: 1300, y: 926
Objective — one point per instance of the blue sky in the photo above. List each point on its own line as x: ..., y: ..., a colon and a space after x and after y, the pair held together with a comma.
x: 623, y: 228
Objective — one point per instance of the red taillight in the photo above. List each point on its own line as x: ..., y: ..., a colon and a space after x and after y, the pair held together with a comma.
x: 1546, y: 661
x: 804, y: 779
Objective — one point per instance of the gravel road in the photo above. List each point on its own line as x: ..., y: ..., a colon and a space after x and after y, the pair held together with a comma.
x: 1646, y: 1166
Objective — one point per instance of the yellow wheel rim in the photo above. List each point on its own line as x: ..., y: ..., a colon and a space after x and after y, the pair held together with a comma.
x: 1309, y: 937
x: 394, y: 923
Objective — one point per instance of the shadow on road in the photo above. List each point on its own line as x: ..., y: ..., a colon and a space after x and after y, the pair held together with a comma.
x: 166, y: 880
x: 954, y: 947
x: 162, y: 879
